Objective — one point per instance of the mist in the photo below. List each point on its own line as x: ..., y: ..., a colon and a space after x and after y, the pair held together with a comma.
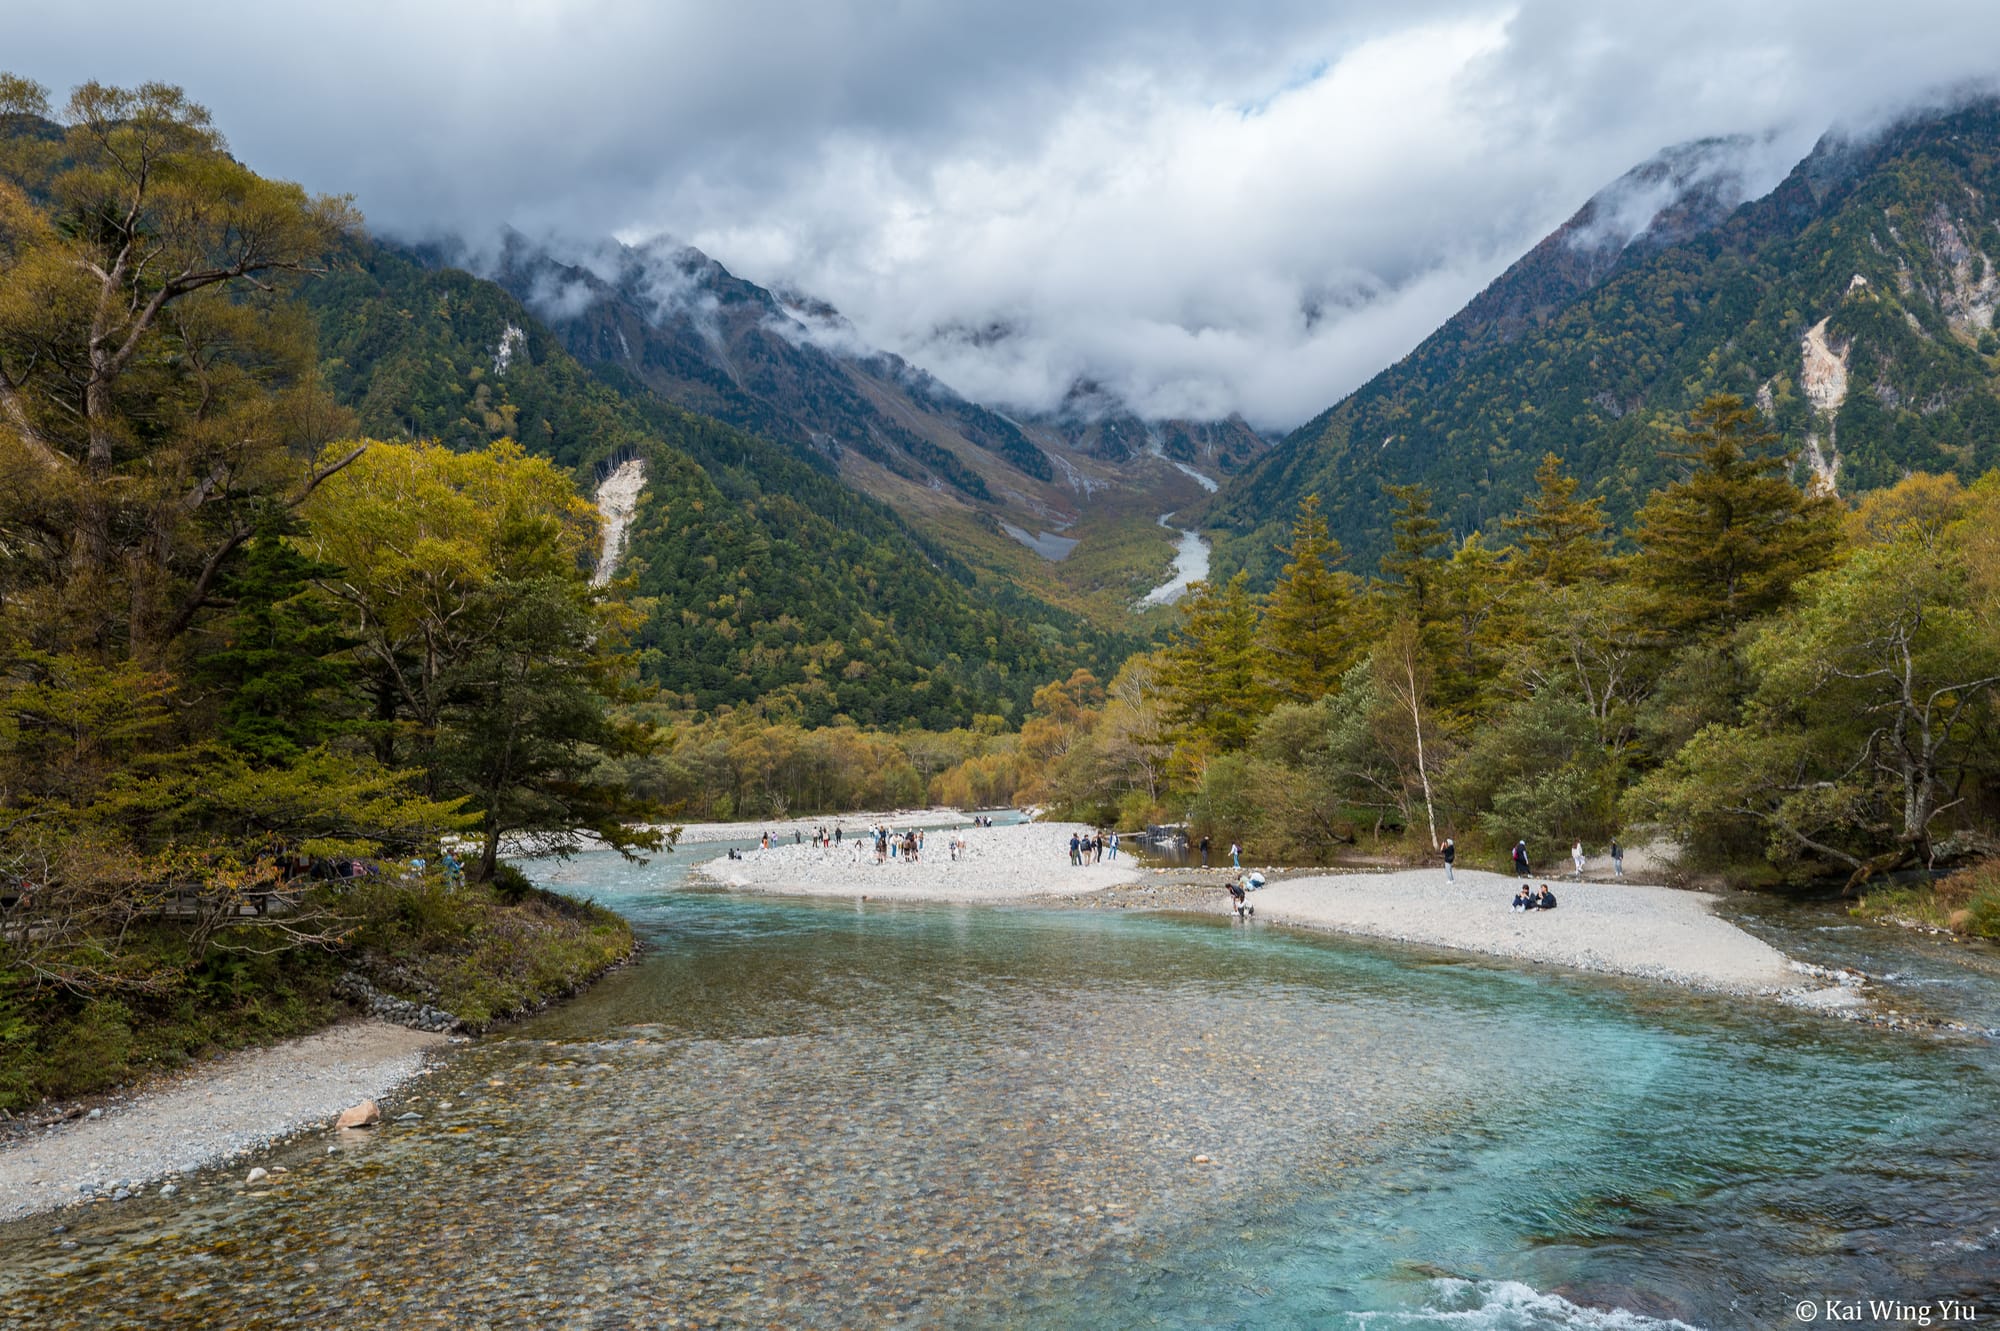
x: 1205, y: 212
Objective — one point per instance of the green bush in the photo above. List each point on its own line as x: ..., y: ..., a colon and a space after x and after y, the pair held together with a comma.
x: 92, y: 1051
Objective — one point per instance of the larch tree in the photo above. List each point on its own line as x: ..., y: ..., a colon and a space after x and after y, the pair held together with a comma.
x: 1309, y: 625
x: 1411, y: 569
x: 1560, y: 540
x: 1210, y: 673
x: 1729, y: 541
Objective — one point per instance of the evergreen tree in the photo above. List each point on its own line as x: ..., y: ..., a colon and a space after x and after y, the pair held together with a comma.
x: 1561, y: 539
x: 275, y: 665
x: 1728, y: 541
x: 1308, y: 624
x: 1410, y: 569
x: 1214, y: 689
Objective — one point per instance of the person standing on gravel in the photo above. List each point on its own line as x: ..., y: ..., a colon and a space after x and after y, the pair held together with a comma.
x: 1576, y: 858
x: 1450, y: 851
x: 1521, y: 856
x: 1204, y: 852
x: 1617, y: 859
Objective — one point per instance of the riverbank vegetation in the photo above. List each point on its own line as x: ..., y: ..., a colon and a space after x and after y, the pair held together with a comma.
x: 257, y: 675
x: 1966, y: 902
x: 1781, y: 683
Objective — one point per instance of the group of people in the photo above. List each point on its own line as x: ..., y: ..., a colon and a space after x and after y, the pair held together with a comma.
x: 1235, y: 852
x: 887, y: 843
x: 1092, y: 848
x: 909, y: 847
x: 1578, y: 860
x: 1449, y: 851
x: 1239, y: 895
x: 1529, y: 899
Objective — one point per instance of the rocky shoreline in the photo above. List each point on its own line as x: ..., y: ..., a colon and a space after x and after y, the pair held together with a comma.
x: 237, y: 1105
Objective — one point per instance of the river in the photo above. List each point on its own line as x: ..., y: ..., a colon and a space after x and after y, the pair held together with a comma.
x: 1190, y: 567
x: 812, y: 1113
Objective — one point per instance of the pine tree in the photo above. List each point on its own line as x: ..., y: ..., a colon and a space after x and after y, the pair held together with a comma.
x: 1728, y: 542
x: 1562, y: 538
x: 1308, y: 625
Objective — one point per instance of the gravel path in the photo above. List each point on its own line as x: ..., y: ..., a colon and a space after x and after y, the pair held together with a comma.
x: 240, y: 1103
x: 999, y: 864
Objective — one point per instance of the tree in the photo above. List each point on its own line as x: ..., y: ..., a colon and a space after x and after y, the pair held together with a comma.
x: 1403, y: 673
x: 152, y: 391
x: 463, y: 578
x: 526, y: 722
x: 278, y: 663
x: 1866, y: 707
x: 1536, y: 769
x: 1728, y: 541
x: 1210, y: 672
x: 1410, y: 569
x: 1560, y: 538
x: 1308, y: 620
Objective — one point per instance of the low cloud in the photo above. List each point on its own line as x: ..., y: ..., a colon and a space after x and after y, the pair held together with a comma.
x: 1203, y: 209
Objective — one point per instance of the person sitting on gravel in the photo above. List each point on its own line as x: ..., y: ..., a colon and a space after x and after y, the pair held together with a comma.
x: 1547, y: 900
x: 1525, y: 898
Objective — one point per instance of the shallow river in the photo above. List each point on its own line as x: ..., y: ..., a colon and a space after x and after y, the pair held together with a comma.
x: 803, y: 1113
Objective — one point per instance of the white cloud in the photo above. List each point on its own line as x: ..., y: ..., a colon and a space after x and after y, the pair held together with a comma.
x: 1205, y: 208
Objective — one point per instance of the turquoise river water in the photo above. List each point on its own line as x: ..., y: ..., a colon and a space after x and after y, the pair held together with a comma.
x: 804, y: 1113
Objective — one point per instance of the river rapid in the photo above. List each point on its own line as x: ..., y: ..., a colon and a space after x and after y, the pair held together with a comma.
x: 808, y: 1113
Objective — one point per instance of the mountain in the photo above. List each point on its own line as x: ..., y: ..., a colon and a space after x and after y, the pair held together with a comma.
x: 1854, y: 302
x: 1065, y: 501
x: 756, y: 575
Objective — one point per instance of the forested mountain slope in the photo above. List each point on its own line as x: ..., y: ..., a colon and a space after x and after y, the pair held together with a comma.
x: 758, y: 574
x: 1014, y: 495
x: 1854, y: 302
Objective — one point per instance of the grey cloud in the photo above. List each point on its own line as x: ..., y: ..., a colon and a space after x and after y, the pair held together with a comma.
x: 1201, y: 208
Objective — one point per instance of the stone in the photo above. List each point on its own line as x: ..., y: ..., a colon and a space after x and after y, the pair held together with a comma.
x: 96, y: 1113
x: 1203, y: 1160
x: 409, y: 1118
x: 122, y: 1194
x: 257, y: 1175
x: 363, y: 1115
x: 168, y: 1189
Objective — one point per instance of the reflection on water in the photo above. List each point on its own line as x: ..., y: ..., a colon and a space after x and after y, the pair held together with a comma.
x: 803, y: 1113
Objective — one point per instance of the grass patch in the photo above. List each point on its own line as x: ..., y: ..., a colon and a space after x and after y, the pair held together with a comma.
x: 1966, y: 902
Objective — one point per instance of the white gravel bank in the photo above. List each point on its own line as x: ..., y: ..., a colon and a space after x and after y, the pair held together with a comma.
x: 1622, y: 928
x: 783, y: 828
x: 240, y: 1103
x: 999, y: 864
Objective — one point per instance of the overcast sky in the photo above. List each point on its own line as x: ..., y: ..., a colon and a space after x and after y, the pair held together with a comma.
x: 1206, y: 207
